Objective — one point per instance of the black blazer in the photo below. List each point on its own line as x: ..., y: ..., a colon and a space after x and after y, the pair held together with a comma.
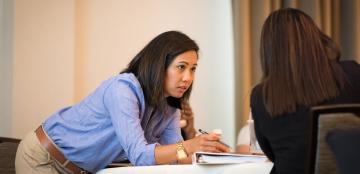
x: 284, y: 139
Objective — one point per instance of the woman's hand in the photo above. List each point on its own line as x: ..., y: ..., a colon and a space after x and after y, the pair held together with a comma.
x: 188, y: 116
x: 205, y: 143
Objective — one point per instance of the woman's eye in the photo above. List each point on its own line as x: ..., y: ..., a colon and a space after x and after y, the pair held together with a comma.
x: 193, y: 69
x: 181, y: 67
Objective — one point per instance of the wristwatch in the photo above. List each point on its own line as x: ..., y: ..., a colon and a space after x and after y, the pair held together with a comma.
x: 180, y: 151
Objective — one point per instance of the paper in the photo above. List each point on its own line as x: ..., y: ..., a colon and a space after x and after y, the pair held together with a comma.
x: 225, y: 158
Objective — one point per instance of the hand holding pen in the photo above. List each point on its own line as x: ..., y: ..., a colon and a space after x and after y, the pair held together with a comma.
x: 206, y: 142
x: 204, y: 132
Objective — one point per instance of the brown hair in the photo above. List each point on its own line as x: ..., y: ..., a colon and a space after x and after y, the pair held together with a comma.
x: 299, y: 62
x: 150, y: 64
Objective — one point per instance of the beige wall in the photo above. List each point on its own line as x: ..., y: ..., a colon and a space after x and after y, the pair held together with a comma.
x: 63, y: 49
x: 43, y: 56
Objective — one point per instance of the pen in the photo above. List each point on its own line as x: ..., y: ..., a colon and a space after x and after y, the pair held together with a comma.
x: 204, y: 132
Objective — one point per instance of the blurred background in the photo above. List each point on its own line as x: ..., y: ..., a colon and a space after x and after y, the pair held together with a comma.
x: 55, y: 52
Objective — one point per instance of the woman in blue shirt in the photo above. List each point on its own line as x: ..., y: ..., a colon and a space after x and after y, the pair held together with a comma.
x: 132, y: 116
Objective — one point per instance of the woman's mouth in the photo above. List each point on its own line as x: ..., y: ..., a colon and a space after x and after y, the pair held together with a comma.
x: 182, y: 88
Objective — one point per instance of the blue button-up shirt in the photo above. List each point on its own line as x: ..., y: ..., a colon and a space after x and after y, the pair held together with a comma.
x: 112, y: 124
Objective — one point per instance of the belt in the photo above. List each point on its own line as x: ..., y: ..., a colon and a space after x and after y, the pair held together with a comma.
x: 55, y: 153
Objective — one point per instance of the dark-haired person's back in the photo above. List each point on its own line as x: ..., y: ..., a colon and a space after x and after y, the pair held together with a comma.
x: 301, y: 69
x: 284, y: 138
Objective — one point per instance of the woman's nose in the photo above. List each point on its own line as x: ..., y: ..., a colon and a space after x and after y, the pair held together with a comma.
x: 188, y: 76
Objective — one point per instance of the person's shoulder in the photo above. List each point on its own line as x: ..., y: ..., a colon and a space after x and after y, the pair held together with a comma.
x: 244, y: 130
x: 125, y: 83
x: 244, y: 135
x: 128, y: 80
x: 127, y: 77
x: 352, y: 70
x: 349, y: 65
x: 256, y: 93
x: 256, y: 89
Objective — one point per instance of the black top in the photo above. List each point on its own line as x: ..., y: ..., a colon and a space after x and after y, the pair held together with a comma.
x: 284, y: 139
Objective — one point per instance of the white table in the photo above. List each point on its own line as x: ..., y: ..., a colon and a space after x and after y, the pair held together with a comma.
x: 245, y: 168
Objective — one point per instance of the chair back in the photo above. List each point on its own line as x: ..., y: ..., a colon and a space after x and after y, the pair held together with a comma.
x: 8, y: 148
x: 324, y: 120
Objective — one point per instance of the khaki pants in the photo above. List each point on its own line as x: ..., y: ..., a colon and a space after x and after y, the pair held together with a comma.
x: 32, y: 157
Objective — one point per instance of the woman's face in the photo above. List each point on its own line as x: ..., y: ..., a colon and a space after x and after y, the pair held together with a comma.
x: 180, y: 74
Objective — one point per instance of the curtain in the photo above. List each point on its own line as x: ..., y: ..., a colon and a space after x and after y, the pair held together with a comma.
x: 338, y: 19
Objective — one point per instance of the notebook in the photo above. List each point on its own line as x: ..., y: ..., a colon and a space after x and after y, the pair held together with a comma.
x: 226, y: 158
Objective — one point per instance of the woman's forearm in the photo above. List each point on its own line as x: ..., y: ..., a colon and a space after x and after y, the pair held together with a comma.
x: 165, y: 154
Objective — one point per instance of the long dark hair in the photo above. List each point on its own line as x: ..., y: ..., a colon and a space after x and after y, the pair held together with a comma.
x: 299, y: 63
x: 150, y: 64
